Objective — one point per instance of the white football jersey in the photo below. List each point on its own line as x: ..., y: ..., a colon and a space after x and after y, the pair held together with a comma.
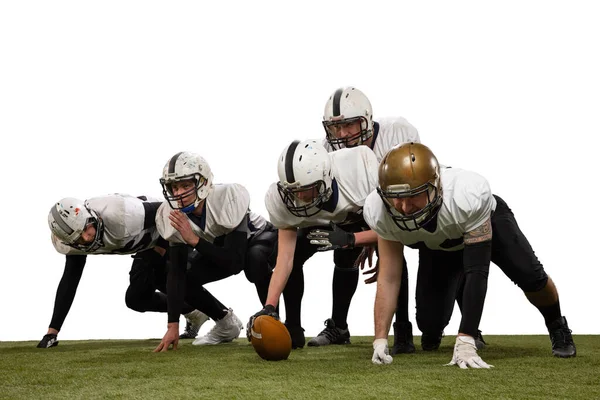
x: 127, y: 230
x: 224, y: 209
x: 467, y: 203
x: 355, y: 173
x: 388, y: 132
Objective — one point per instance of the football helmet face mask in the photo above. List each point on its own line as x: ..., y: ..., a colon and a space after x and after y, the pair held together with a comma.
x: 69, y: 218
x: 305, y: 177
x: 346, y: 109
x: 186, y: 166
x: 410, y: 171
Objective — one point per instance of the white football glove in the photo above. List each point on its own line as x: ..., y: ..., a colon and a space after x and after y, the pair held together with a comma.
x: 465, y: 354
x: 380, y: 352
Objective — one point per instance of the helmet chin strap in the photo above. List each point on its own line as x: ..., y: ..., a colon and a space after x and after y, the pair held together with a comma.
x: 189, y: 209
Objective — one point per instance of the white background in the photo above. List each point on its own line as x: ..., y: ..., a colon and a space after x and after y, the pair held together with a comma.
x: 95, y: 97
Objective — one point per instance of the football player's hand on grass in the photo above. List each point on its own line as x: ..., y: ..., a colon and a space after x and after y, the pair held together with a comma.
x: 171, y: 337
x: 381, y: 354
x: 465, y: 354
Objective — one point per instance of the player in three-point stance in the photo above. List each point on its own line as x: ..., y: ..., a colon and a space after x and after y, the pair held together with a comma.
x: 318, y: 201
x: 227, y: 238
x: 459, y: 226
x: 112, y: 224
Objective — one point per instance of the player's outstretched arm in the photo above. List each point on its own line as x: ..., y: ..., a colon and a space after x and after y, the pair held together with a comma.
x: 175, y: 295
x: 476, y: 259
x: 65, y: 294
x: 388, y: 285
x: 283, y: 268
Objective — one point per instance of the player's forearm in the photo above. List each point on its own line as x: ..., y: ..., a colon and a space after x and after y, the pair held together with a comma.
x: 279, y: 279
x: 65, y: 293
x: 476, y: 259
x: 176, y: 282
x: 365, y: 238
x: 391, y: 255
x: 386, y: 300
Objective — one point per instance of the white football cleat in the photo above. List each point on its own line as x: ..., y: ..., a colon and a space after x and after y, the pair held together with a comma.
x: 225, y: 330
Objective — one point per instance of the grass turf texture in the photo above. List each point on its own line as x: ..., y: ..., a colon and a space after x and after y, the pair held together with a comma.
x: 118, y: 369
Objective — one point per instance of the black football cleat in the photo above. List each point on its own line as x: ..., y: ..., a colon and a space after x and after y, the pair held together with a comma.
x: 431, y: 342
x: 297, y: 335
x: 479, y: 342
x: 48, y: 341
x: 561, y: 338
x: 330, y: 335
x: 403, y: 339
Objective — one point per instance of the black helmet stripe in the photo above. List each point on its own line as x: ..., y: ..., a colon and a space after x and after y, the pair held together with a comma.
x: 59, y: 221
x: 289, y: 162
x: 173, y: 161
x: 336, y: 101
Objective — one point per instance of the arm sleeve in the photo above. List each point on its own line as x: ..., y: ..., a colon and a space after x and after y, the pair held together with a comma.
x: 476, y: 261
x: 176, y: 280
x: 65, y: 293
x: 232, y: 255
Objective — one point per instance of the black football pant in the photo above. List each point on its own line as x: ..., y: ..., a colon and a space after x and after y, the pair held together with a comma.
x: 261, y: 257
x: 259, y: 263
x: 440, y: 275
x: 345, y: 277
x: 148, y: 283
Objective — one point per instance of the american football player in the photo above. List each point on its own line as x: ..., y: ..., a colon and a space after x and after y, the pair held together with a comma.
x: 113, y: 224
x: 318, y: 201
x: 348, y: 122
x: 226, y: 237
x: 459, y: 226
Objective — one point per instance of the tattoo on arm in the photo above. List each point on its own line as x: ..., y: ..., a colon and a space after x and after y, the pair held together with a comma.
x: 480, y: 234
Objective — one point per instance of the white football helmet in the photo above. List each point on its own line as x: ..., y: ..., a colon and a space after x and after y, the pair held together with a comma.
x: 185, y: 166
x: 305, y: 177
x: 69, y: 218
x: 346, y: 106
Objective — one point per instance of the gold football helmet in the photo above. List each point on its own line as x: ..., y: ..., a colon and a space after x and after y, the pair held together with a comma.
x: 408, y: 171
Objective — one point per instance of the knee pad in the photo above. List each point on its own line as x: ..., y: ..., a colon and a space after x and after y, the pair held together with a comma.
x: 535, y: 285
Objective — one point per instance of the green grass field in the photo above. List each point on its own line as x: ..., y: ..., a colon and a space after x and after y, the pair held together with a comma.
x: 524, y: 369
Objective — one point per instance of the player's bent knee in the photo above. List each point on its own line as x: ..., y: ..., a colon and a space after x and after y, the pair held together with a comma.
x: 134, y: 302
x: 534, y: 285
x: 251, y: 275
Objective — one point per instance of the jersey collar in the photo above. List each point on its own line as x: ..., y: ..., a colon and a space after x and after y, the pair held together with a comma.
x: 331, y: 204
x: 201, y: 220
x: 375, y: 133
